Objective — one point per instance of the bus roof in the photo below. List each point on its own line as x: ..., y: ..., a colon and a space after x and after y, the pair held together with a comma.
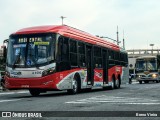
x: 69, y: 32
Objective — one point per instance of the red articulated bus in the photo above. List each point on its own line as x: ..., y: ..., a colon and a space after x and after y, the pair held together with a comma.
x: 62, y: 58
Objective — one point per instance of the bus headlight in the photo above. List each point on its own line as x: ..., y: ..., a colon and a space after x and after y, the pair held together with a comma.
x: 48, y: 71
x: 154, y: 75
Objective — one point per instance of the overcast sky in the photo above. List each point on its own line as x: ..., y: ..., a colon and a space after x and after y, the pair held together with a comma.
x: 140, y: 19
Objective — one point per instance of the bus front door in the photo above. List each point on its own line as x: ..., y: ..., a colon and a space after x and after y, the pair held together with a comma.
x: 89, y: 60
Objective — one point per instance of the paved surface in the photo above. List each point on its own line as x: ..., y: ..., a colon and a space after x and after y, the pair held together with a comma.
x: 130, y: 97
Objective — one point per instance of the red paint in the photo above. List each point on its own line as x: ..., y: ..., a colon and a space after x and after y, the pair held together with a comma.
x: 69, y: 32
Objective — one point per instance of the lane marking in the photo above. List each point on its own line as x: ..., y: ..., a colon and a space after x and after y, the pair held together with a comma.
x: 9, y: 100
x: 8, y: 93
x: 116, y: 100
x: 115, y: 103
x: 143, y: 103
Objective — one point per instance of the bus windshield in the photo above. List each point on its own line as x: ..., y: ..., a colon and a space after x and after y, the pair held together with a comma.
x: 30, y: 50
x: 146, y: 65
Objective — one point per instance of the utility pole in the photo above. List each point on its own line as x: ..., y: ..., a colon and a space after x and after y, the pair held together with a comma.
x: 62, y: 17
x: 117, y: 37
x: 123, y: 41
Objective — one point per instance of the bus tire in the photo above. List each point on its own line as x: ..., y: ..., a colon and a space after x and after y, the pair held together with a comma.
x: 75, y: 86
x: 34, y: 92
x: 113, y: 83
x: 117, y: 82
x: 140, y: 82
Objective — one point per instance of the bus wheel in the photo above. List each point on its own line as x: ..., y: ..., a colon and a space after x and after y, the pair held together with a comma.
x: 34, y: 92
x: 117, y: 84
x: 113, y: 83
x: 74, y: 89
x: 140, y: 82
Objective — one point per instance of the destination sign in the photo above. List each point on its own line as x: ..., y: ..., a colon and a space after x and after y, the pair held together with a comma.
x: 32, y: 39
x: 41, y: 43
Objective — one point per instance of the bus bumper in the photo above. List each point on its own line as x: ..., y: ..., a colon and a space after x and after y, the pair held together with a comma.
x: 47, y: 82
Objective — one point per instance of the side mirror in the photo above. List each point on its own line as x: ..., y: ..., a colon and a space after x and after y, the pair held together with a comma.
x: 5, y: 41
x: 4, y: 50
x: 4, y: 55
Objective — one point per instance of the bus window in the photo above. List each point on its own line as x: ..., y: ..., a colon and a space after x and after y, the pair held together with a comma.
x: 63, y: 54
x: 81, y: 54
x: 117, y: 58
x: 97, y: 57
x: 111, y: 58
x: 73, y: 53
x: 63, y: 49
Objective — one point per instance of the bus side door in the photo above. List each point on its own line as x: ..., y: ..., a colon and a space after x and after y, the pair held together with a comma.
x: 89, y: 61
x: 105, y: 67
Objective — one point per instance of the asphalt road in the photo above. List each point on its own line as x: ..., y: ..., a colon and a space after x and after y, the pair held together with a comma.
x: 131, y: 101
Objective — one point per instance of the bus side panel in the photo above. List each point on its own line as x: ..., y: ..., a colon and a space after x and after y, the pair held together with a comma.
x: 115, y: 71
x: 65, y: 79
x: 98, y: 77
x: 47, y: 82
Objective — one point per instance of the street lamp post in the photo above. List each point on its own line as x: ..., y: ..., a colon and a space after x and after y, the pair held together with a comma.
x: 117, y: 41
x: 112, y: 39
x: 62, y: 17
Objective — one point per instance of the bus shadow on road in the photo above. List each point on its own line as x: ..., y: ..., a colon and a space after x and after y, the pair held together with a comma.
x: 63, y: 93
